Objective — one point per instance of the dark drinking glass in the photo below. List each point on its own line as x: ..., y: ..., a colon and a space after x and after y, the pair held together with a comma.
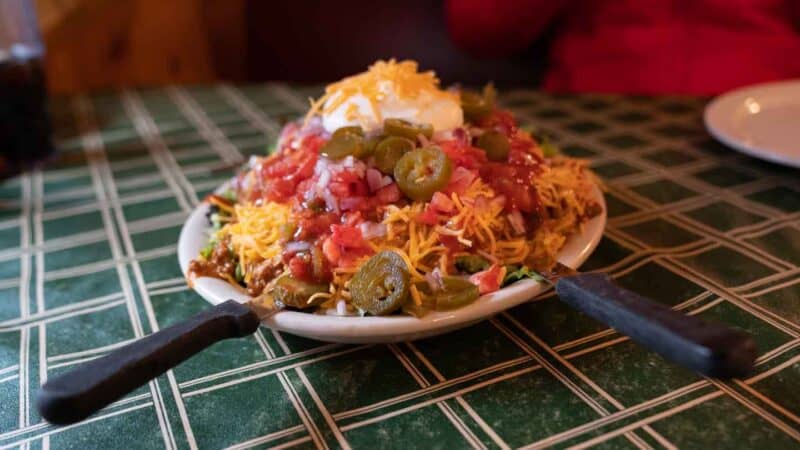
x: 24, y: 124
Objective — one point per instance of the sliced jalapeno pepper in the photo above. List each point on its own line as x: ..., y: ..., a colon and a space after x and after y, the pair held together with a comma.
x: 477, y: 106
x: 349, y: 130
x: 345, y: 141
x: 371, y: 143
x: 381, y: 285
x: 389, y: 151
x: 495, y: 144
x: 295, y: 293
x: 406, y: 129
x: 422, y: 172
x: 457, y: 292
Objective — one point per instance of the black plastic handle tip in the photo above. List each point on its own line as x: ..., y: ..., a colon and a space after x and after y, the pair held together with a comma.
x: 90, y: 387
x: 711, y: 349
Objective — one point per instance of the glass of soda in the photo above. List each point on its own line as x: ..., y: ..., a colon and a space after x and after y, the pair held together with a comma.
x: 25, y: 139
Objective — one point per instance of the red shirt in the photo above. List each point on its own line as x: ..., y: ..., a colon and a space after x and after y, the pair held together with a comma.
x: 640, y: 46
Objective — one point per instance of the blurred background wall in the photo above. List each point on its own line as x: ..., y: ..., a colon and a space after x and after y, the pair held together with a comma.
x: 103, y: 44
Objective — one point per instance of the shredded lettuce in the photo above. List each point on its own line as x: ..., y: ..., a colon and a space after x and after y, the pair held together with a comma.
x: 516, y: 273
x: 548, y: 148
x: 229, y: 195
x: 216, y: 223
x: 206, y: 251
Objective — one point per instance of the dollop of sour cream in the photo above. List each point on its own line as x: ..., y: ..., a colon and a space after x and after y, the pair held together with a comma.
x: 442, y: 113
x: 389, y: 90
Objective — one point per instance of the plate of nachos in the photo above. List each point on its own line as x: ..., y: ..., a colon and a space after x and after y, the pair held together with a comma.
x: 395, y: 209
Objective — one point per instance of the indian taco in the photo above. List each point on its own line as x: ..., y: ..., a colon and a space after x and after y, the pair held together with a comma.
x: 396, y: 196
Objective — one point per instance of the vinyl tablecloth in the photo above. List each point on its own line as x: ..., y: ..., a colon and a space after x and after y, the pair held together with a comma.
x: 88, y: 264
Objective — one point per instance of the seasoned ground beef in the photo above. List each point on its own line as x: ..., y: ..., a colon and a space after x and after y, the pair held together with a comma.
x: 220, y: 264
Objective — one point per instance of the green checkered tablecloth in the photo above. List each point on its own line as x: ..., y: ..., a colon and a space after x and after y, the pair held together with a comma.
x: 87, y: 264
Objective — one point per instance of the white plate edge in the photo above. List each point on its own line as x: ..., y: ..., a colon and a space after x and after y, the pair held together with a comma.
x: 717, y: 121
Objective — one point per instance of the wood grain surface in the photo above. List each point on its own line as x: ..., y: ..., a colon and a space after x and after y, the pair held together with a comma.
x: 100, y: 44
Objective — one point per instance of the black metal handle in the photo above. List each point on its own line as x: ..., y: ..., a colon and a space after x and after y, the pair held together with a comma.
x: 85, y: 390
x: 712, y: 349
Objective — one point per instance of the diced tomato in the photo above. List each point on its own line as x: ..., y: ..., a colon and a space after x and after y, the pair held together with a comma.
x: 303, y: 187
x: 352, y: 218
x: 428, y: 217
x: 354, y: 203
x: 313, y: 224
x: 451, y: 242
x: 460, y: 180
x: 441, y: 203
x: 278, y: 189
x: 440, y: 207
x: 347, y: 236
x: 298, y: 164
x: 515, y: 182
x: 331, y: 251
x: 347, y: 184
x: 388, y: 194
x: 349, y: 245
x: 312, y: 143
x: 488, y: 280
x: 463, y: 154
x: 280, y: 174
x: 300, y: 267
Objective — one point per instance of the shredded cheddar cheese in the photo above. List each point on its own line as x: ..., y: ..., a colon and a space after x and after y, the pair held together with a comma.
x: 255, y: 234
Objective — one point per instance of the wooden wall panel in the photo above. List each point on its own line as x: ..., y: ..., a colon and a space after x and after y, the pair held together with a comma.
x: 97, y: 44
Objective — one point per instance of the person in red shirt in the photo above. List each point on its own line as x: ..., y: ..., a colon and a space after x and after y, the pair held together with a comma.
x: 640, y: 46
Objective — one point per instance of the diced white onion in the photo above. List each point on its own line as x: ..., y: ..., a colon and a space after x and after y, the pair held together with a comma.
x: 434, y: 279
x: 341, y: 307
x: 517, y: 222
x: 296, y: 246
x: 321, y: 166
x: 372, y: 230
x: 324, y: 179
x: 330, y: 201
x: 253, y: 161
x: 376, y: 180
x: 373, y: 179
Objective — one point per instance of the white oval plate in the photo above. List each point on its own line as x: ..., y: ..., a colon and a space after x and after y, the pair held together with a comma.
x: 761, y: 120
x: 331, y: 328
